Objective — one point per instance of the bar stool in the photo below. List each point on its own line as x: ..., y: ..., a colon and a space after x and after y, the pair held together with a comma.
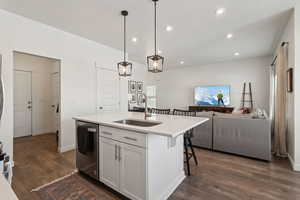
x: 160, y: 111
x: 187, y: 140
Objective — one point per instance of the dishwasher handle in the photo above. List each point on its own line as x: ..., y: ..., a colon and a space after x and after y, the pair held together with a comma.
x: 92, y: 130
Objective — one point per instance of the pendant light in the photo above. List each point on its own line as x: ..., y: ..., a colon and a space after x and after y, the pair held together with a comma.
x: 125, y: 68
x: 155, y: 62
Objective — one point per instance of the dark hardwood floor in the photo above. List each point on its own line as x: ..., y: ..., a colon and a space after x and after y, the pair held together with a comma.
x: 37, y: 162
x: 218, y: 177
x: 223, y: 176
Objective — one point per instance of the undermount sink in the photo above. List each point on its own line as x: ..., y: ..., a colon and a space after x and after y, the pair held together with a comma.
x: 142, y: 123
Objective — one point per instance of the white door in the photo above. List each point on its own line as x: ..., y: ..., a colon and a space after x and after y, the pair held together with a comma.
x: 109, y: 163
x: 55, y: 101
x: 133, y: 171
x: 22, y: 104
x: 108, y: 90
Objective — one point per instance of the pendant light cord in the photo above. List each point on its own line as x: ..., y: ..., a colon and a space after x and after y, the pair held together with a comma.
x: 155, y: 31
x: 124, y: 38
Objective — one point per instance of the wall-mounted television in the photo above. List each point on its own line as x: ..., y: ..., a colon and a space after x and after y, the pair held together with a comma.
x: 212, y: 95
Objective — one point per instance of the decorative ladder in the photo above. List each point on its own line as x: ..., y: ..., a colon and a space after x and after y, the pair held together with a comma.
x: 248, y: 101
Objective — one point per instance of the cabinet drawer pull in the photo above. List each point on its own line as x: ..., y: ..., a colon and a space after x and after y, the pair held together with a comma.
x: 119, y: 153
x: 130, y: 138
x: 116, y: 152
x: 106, y: 133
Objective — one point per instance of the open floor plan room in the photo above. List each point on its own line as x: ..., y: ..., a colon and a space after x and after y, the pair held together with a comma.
x: 149, y: 100
x: 220, y: 176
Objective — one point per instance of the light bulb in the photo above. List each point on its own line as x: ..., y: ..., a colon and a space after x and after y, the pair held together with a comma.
x: 123, y: 70
x: 155, y: 64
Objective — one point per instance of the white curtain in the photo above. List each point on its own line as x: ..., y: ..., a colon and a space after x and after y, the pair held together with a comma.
x: 280, y: 131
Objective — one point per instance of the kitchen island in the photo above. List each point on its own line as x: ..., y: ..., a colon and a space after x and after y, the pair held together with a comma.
x: 141, y: 159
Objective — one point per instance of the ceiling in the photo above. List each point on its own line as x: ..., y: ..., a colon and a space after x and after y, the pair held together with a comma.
x: 199, y: 36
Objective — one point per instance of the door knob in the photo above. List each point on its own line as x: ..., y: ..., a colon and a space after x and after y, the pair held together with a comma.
x: 29, y: 107
x: 53, y: 106
x: 100, y: 107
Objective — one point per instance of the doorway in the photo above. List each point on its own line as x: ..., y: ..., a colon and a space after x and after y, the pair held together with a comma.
x: 37, y: 106
x: 36, y: 96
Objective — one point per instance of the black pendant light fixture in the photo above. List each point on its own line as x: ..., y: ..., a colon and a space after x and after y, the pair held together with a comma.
x: 125, y: 68
x: 155, y: 62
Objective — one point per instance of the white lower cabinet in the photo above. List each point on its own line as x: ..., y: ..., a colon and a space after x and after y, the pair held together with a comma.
x: 123, y: 168
x: 109, y: 164
x: 133, y: 172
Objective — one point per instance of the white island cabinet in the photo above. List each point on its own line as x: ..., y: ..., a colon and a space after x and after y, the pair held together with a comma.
x: 125, y: 170
x: 142, y: 163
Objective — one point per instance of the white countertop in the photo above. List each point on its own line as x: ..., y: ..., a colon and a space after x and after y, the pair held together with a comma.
x: 171, y: 125
x: 6, y: 191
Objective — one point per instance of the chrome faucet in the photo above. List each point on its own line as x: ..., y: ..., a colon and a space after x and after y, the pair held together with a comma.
x: 147, y: 114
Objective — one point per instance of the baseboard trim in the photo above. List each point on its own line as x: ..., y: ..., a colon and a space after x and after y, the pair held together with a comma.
x: 295, y: 166
x: 172, y: 187
x: 43, y: 133
x: 66, y: 148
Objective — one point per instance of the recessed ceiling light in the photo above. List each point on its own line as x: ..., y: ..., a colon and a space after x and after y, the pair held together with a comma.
x: 220, y: 11
x: 236, y: 53
x: 229, y: 35
x: 169, y: 28
x: 159, y: 52
x: 181, y: 62
x: 134, y: 39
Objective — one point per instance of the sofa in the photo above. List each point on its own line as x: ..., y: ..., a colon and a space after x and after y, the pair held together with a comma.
x: 233, y: 133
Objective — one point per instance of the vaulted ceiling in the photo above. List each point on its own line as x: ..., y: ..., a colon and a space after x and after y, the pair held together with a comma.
x: 198, y: 36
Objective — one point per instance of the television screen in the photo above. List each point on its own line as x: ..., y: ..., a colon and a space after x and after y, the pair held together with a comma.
x: 212, y: 95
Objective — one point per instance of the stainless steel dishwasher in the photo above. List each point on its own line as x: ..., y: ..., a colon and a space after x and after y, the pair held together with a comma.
x: 87, y: 148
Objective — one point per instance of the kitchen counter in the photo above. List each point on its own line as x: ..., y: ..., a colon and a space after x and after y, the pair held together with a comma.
x: 171, y: 125
x: 142, y: 163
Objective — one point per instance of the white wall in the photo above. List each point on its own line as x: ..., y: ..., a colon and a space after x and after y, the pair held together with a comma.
x: 175, y: 86
x: 292, y: 35
x: 297, y: 87
x: 289, y: 36
x: 42, y: 95
x: 139, y: 73
x: 78, y: 82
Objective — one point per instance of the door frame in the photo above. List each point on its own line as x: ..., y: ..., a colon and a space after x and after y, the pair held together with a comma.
x: 59, y: 135
x: 59, y: 102
x: 60, y: 88
x: 27, y: 71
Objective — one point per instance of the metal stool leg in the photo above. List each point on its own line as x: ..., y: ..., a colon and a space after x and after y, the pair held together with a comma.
x: 192, y: 149
x: 187, y: 156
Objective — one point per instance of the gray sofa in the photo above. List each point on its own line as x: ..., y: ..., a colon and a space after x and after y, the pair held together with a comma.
x: 237, y: 134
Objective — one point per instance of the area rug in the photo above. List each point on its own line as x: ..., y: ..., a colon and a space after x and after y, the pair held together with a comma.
x: 76, y: 187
